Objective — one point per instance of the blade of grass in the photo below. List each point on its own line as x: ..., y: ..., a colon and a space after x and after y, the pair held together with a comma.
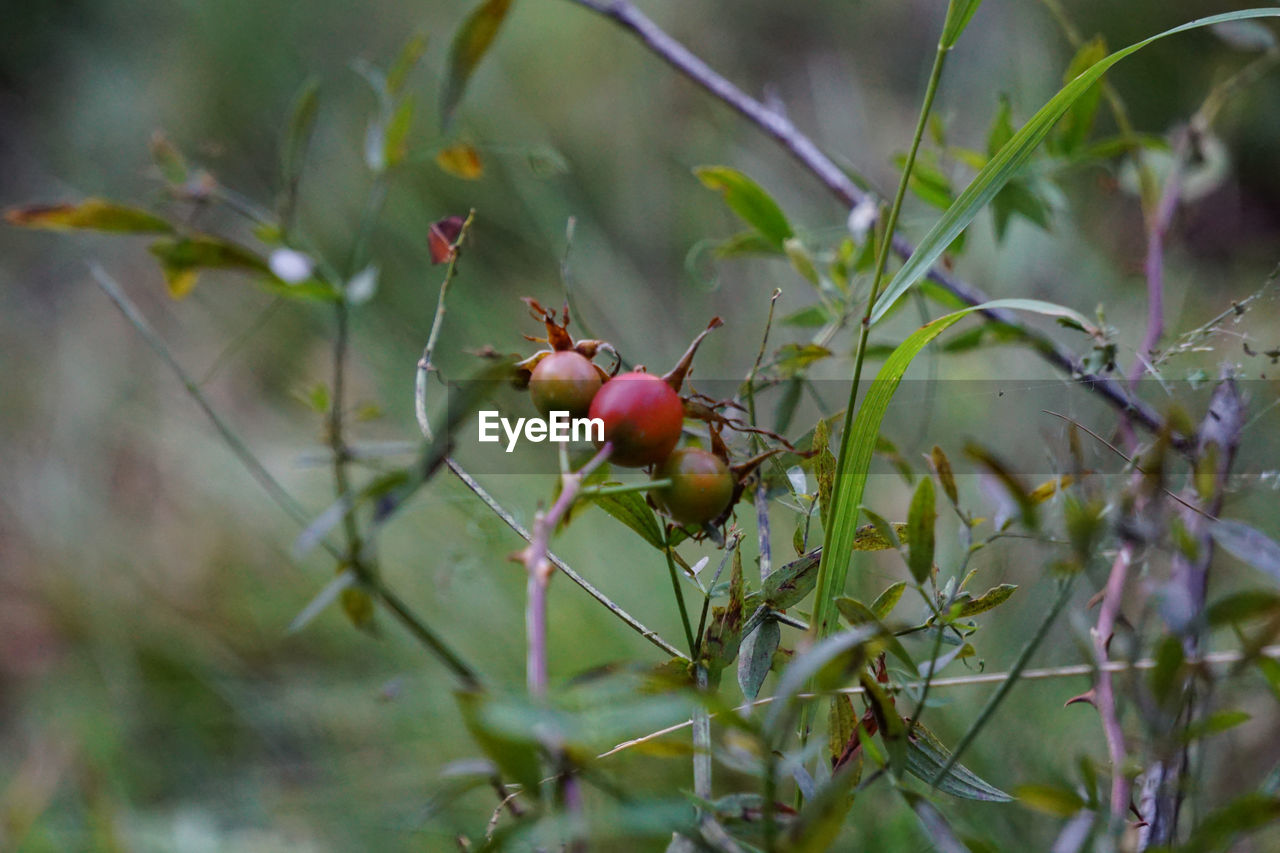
x: 1014, y: 154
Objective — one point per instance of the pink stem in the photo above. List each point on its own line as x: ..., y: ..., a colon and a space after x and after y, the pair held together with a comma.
x: 1104, y: 694
x: 540, y: 568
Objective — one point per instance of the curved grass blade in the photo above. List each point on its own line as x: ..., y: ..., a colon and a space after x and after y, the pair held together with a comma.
x: 857, y: 449
x: 1013, y: 155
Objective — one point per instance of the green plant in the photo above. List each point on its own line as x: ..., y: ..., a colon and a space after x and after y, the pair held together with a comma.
x: 855, y: 671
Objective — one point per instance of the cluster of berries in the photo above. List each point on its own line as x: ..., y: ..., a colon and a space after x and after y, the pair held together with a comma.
x: 643, y: 416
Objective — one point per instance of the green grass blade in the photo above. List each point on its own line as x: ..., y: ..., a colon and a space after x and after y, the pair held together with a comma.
x: 1014, y: 155
x: 856, y: 450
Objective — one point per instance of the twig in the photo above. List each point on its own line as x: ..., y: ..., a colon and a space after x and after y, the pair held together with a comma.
x: 424, y: 364
x: 292, y: 508
x: 780, y: 128
x: 1104, y: 692
x: 520, y: 530
x: 1041, y: 674
x: 540, y: 568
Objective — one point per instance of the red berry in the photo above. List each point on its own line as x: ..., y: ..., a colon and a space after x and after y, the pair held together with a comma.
x: 701, y: 486
x: 564, y: 382
x: 642, y: 417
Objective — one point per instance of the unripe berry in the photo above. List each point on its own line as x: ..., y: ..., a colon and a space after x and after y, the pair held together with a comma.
x: 564, y: 382
x: 701, y: 486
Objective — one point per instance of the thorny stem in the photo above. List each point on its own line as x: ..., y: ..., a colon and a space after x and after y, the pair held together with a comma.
x: 1104, y: 690
x: 540, y: 569
x: 777, y: 126
x: 420, y: 630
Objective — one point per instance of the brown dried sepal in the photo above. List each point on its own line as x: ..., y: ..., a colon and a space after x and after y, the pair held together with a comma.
x: 558, y: 339
x: 675, y: 377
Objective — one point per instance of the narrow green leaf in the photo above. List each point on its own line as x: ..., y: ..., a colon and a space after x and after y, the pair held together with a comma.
x: 788, y: 585
x: 756, y: 657
x: 182, y: 259
x: 1013, y: 155
x: 887, y: 600
x: 470, y: 43
x: 855, y: 458
x: 842, y: 722
x: 326, y: 596
x: 942, y: 470
x: 297, y: 137
x: 1050, y: 799
x: 926, y: 756
x: 959, y: 12
x: 856, y: 613
x: 893, y: 731
x: 517, y: 757
x: 990, y: 599
x: 724, y: 634
x: 818, y: 825
x: 749, y: 200
x: 1078, y: 121
x: 406, y: 62
x: 396, y: 142
x: 824, y: 469
x: 1245, y: 814
x: 94, y: 214
x: 807, y: 665
x: 1215, y: 723
x: 811, y: 317
x: 920, y: 523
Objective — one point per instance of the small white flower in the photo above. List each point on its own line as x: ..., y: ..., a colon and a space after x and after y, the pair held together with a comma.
x: 363, y: 285
x: 290, y: 266
x: 862, y: 217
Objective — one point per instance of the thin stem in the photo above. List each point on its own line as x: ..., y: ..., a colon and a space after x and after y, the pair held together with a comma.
x: 778, y: 127
x: 1104, y: 692
x: 520, y: 530
x: 675, y: 585
x: 1041, y: 674
x: 424, y: 364
x: 625, y: 488
x: 1011, y: 678
x: 540, y: 569
x: 423, y: 632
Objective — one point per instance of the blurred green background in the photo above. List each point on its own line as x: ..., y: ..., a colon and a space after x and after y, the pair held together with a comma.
x: 150, y: 698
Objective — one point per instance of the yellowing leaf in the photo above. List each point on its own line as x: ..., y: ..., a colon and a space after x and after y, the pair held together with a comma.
x: 469, y: 45
x: 93, y: 213
x: 461, y: 161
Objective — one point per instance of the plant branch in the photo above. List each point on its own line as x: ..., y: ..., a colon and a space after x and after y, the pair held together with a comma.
x: 271, y: 486
x: 425, y: 365
x: 781, y: 130
x: 540, y: 568
x: 1104, y: 689
x: 1001, y: 678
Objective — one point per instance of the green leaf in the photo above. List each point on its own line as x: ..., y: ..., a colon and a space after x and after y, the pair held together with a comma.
x: 470, y: 43
x: 1013, y: 155
x: 989, y: 600
x: 1215, y: 723
x: 811, y: 317
x: 860, y: 442
x: 1050, y: 799
x: 1078, y: 122
x: 396, y: 142
x: 297, y: 137
x: 920, y: 523
x: 94, y: 214
x: 893, y: 731
x: 1245, y: 814
x: 747, y: 199
x: 1248, y: 544
x: 724, y: 634
x: 517, y: 757
x: 756, y: 657
x: 182, y: 259
x: 746, y: 243
x: 926, y: 756
x: 842, y: 724
x: 788, y: 585
x: 942, y: 470
x: 887, y: 600
x: 801, y: 260
x: 792, y: 359
x: 844, y: 647
x: 856, y: 613
x: 412, y: 51
x: 1242, y: 606
x: 824, y: 468
x: 818, y: 825
x: 630, y: 508
x: 958, y: 14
